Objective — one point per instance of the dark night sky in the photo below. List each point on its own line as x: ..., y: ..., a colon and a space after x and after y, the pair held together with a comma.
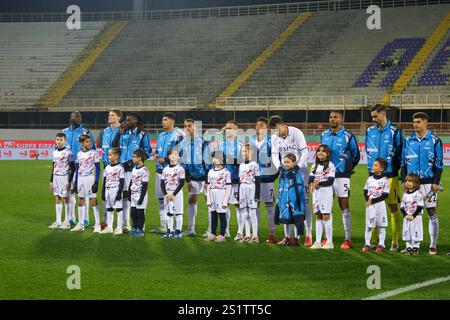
x: 119, y: 5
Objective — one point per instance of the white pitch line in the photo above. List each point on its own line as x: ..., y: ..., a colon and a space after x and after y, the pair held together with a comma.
x: 412, y: 287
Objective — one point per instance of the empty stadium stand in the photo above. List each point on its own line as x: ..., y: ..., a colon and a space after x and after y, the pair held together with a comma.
x: 33, y: 55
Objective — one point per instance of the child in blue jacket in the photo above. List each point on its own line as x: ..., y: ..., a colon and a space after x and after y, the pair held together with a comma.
x: 290, y: 208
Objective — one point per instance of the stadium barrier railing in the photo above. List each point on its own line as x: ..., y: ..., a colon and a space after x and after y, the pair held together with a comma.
x: 231, y: 11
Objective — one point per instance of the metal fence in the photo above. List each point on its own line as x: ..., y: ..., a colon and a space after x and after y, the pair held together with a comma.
x: 127, y: 104
x: 279, y: 8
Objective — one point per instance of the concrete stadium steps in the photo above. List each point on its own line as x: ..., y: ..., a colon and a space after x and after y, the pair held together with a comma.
x: 33, y: 56
x: 179, y: 57
x: 327, y: 54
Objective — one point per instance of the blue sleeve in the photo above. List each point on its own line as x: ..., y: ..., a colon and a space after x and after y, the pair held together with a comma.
x: 354, y: 151
x: 438, y: 161
x: 147, y: 145
x: 97, y: 171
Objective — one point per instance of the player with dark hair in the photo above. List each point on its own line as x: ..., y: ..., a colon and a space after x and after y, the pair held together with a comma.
x: 423, y: 156
x: 105, y: 140
x: 288, y: 139
x: 130, y: 138
x: 167, y: 140
x: 73, y: 132
x: 345, y: 157
x: 385, y: 140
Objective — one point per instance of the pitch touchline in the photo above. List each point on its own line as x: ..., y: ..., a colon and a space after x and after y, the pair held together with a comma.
x: 408, y: 288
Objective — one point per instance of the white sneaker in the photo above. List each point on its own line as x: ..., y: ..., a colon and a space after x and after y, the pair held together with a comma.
x: 206, y: 234
x: 227, y: 235
x: 54, y: 225
x: 97, y: 228
x: 65, y: 225
x: 238, y: 237
x: 118, y: 231
x: 316, y: 245
x: 328, y: 245
x: 78, y: 227
x: 107, y: 230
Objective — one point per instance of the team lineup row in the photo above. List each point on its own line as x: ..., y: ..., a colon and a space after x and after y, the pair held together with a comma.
x: 253, y: 164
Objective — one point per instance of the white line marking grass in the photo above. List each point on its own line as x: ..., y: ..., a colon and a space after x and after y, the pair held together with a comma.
x: 412, y: 287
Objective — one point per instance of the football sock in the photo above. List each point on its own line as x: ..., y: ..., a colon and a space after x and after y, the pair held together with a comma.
x: 319, y: 230
x: 347, y: 220
x: 396, y: 220
x: 96, y: 215
x: 126, y: 212
x: 241, y: 221
x: 254, y: 221
x: 223, y: 223
x: 433, y: 228
x: 169, y: 220
x: 328, y: 229
x: 179, y: 220
x: 271, y: 217
x: 382, y: 235
x: 73, y: 202
x: 368, y: 235
x: 308, y: 220
x: 119, y: 218
x: 162, y: 214
x: 141, y: 219
x: 59, y: 208
x: 110, y: 217
x: 81, y: 210
x: 214, y: 216
x: 228, y: 216
x: 287, y: 230
x: 192, y: 212
x: 86, y: 211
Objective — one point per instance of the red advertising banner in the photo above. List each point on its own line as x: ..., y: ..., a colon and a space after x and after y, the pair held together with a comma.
x: 42, y: 150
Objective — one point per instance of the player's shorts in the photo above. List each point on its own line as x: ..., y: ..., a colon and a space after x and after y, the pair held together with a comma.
x: 376, y: 215
x: 341, y: 187
x: 196, y: 187
x: 60, y: 186
x: 267, y: 192
x: 394, y: 192
x: 217, y: 197
x: 110, y: 199
x: 428, y: 201
x: 85, y: 187
x: 158, y: 191
x: 234, y: 197
x: 413, y: 230
x: 247, y: 196
x: 135, y: 199
x: 174, y: 207
x: 323, y: 200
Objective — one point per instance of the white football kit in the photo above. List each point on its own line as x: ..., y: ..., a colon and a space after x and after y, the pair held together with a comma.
x: 61, y: 172
x: 171, y: 176
x: 412, y: 230
x: 217, y: 183
x: 376, y: 215
x: 138, y: 177
x: 323, y: 196
x: 247, y: 176
x: 112, y: 175
x: 86, y: 172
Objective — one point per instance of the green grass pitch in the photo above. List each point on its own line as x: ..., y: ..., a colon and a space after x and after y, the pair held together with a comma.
x: 34, y: 259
